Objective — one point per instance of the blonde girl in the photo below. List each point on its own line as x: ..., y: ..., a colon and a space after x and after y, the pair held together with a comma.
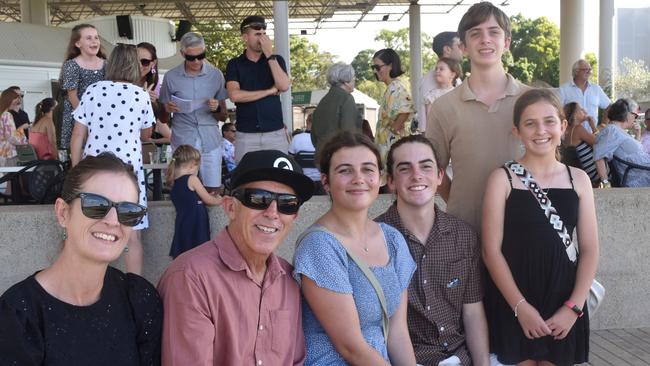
x: 536, y: 297
x: 189, y: 196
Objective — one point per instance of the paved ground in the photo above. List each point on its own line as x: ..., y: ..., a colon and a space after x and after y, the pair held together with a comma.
x: 620, y: 347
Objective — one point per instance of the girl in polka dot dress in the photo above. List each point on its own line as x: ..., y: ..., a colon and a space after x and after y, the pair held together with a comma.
x: 112, y: 116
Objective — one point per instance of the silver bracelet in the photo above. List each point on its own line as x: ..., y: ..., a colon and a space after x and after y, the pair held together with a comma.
x: 516, y: 306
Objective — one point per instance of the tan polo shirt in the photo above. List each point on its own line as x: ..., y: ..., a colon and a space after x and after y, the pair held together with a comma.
x: 478, y: 139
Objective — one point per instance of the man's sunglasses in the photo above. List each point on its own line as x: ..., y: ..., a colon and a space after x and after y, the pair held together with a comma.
x: 144, y: 62
x: 195, y: 57
x: 94, y: 206
x: 260, y: 199
x: 256, y: 26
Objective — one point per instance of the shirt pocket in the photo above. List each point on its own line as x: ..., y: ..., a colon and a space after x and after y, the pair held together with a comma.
x: 454, y: 283
x: 281, y: 331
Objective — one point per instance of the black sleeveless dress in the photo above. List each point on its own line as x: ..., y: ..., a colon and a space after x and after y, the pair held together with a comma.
x: 544, y: 275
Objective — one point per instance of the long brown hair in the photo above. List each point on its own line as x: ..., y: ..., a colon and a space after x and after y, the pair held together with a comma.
x: 152, y: 76
x: 72, y: 50
x: 6, y: 98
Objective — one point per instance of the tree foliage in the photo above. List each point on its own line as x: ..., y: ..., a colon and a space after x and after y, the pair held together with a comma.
x: 535, y: 49
x: 361, y: 65
x: 633, y: 80
x: 308, y: 65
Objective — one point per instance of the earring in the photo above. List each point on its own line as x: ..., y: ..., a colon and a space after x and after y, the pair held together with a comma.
x: 153, y: 71
x: 65, y: 235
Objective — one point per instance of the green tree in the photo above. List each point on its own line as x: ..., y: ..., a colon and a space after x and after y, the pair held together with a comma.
x: 222, y: 42
x: 373, y: 89
x: 308, y: 65
x: 593, y: 62
x: 399, y: 41
x: 535, y: 48
x: 633, y: 80
x: 361, y: 65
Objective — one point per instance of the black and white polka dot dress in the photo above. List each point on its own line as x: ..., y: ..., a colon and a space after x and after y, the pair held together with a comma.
x: 114, y: 113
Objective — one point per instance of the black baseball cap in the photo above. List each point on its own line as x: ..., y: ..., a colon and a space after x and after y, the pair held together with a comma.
x: 272, y: 165
x: 251, y: 21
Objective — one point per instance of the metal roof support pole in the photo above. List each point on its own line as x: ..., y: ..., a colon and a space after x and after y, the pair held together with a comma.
x: 281, y: 47
x: 415, y: 40
x: 606, y: 50
x: 572, y: 25
x: 34, y: 12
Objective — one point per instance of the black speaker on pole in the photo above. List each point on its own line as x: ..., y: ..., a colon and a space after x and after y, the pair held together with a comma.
x: 124, y: 28
x: 184, y: 26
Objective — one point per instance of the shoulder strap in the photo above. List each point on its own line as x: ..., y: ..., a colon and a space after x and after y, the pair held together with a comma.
x: 547, y: 206
x: 509, y: 176
x: 364, y: 268
x: 570, y: 176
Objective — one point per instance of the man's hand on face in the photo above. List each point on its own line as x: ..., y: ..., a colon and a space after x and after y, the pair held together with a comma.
x: 267, y: 45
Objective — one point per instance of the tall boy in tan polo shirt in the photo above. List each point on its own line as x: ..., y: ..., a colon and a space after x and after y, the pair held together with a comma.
x: 471, y: 125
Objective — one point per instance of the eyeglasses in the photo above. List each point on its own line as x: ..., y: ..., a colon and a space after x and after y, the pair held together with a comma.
x: 144, y: 62
x: 255, y: 26
x: 636, y: 115
x: 94, y: 206
x: 260, y: 199
x: 585, y: 69
x: 376, y: 67
x: 233, y: 130
x: 191, y: 58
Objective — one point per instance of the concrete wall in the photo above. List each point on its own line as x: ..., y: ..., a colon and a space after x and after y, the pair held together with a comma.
x: 31, y: 239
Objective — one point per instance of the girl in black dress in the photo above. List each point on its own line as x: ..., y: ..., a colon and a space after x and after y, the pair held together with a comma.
x: 536, y: 298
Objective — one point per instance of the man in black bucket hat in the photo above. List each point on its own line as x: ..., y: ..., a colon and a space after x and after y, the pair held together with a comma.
x: 232, y: 301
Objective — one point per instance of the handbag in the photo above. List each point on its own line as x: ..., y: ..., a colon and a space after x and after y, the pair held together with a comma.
x: 364, y: 268
x: 597, y: 290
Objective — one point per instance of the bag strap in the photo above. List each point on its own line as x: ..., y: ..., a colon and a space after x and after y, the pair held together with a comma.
x: 364, y: 268
x: 547, y: 206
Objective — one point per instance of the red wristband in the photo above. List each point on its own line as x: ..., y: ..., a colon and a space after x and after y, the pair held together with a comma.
x: 569, y: 304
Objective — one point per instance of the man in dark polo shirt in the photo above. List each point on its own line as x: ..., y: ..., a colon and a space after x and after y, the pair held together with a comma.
x: 446, y: 319
x: 254, y: 81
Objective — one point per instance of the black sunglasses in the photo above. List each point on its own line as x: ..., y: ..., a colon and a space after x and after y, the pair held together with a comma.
x: 94, y: 206
x: 260, y: 199
x: 376, y: 67
x: 144, y: 62
x: 195, y: 57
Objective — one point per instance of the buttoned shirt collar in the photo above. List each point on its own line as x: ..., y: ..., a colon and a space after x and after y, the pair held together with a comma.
x: 441, y: 222
x: 512, y: 88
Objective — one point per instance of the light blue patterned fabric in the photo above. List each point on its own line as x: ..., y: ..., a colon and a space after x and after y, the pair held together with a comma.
x: 612, y: 140
x: 322, y: 258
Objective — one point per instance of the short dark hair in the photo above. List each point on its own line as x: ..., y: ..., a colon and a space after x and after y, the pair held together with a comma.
x: 342, y: 140
x: 619, y: 110
x: 479, y: 13
x: 441, y: 40
x: 105, y: 162
x: 411, y: 139
x: 226, y: 127
x: 389, y: 57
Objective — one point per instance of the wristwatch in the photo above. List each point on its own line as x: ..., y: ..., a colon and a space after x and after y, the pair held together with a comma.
x: 272, y: 57
x: 605, y: 184
x: 569, y: 304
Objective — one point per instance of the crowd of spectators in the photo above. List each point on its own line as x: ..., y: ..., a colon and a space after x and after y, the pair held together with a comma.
x: 404, y: 288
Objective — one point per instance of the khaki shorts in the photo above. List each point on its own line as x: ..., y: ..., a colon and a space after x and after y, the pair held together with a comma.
x: 274, y: 140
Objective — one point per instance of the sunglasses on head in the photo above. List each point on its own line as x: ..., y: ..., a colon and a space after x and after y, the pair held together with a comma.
x: 144, y: 62
x: 260, y: 199
x: 94, y: 206
x: 256, y: 26
x: 200, y: 56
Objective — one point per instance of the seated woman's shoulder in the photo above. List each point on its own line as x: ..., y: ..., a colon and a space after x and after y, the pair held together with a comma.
x: 137, y: 286
x: 22, y: 292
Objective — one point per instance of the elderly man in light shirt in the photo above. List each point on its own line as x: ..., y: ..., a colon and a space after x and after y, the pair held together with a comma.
x: 590, y: 96
x: 231, y: 300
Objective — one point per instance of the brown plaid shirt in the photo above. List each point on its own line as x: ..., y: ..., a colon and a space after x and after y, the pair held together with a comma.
x: 448, y: 275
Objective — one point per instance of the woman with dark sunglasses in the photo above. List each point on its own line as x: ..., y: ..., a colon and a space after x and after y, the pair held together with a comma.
x: 116, y: 115
x: 343, y: 317
x: 149, y: 81
x: 79, y: 310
